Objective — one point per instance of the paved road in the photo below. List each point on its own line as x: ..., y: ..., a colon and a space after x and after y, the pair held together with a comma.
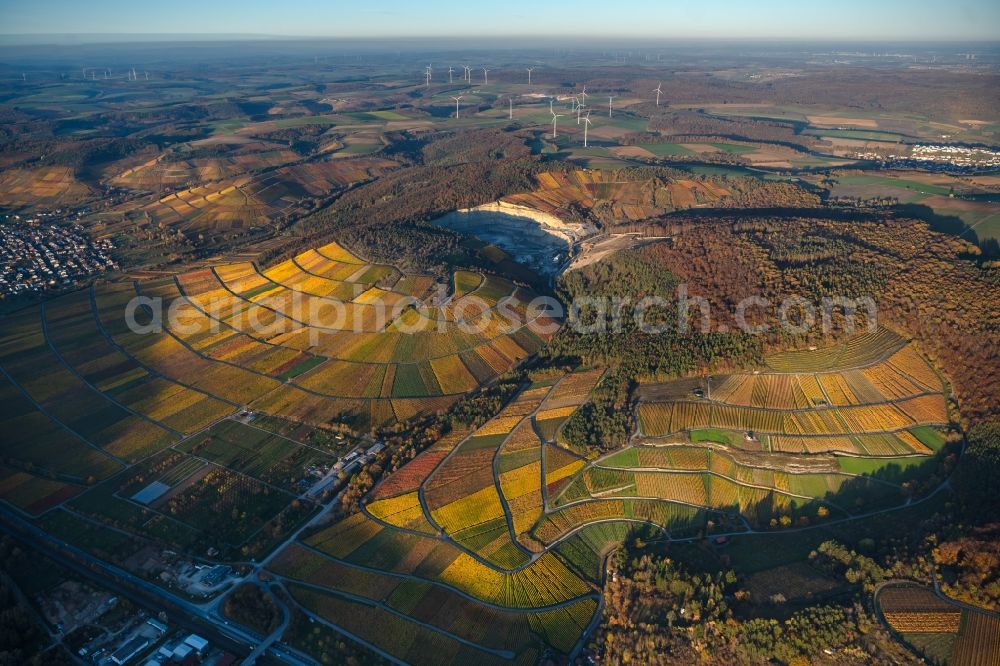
x: 203, y: 619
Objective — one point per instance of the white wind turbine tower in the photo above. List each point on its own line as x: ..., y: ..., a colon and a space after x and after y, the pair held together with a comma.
x: 486, y: 77
x: 611, y: 98
x: 427, y: 76
x: 450, y: 70
x: 579, y: 110
x: 583, y: 94
x: 658, y: 92
x: 468, y: 74
x: 456, y: 104
x: 586, y: 124
x: 555, y: 120
x: 510, y: 116
x: 530, y: 70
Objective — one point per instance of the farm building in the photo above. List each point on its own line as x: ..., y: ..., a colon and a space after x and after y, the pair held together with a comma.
x: 197, y: 643
x: 129, y: 650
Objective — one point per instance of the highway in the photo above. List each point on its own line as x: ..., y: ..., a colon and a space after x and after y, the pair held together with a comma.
x: 203, y: 619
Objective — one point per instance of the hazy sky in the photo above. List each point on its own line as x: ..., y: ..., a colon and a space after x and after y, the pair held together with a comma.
x: 840, y: 19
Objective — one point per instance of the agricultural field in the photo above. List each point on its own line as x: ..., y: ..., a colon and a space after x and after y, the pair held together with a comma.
x: 839, y: 428
x: 939, y: 630
x: 335, y: 327
x: 290, y: 341
x: 41, y: 188
x: 273, y: 459
x: 486, y: 512
x: 945, y: 195
x: 382, y: 432
x: 135, y: 426
x: 229, y: 197
x: 194, y: 505
x: 872, y: 396
x: 449, y: 530
x: 628, y: 200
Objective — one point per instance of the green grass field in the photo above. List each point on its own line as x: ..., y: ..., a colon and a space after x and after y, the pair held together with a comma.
x: 306, y: 120
x: 870, y: 466
x: 734, y: 148
x: 930, y: 437
x: 890, y: 182
x: 727, y: 437
x: 666, y: 149
x: 863, y: 135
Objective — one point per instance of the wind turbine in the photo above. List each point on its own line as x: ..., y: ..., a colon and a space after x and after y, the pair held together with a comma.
x: 611, y: 98
x: 586, y: 124
x: 530, y: 70
x: 427, y: 75
x: 456, y: 104
x: 146, y: 73
x: 555, y: 120
x: 486, y: 77
x: 658, y: 92
x: 468, y: 74
x: 450, y: 70
x: 510, y: 100
x: 579, y: 110
x: 583, y: 94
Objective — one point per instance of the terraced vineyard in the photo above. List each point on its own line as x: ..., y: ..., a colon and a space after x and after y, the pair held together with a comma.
x: 490, y: 544
x: 231, y: 199
x: 505, y: 521
x: 320, y: 338
x: 872, y: 397
x: 624, y: 199
x: 446, y: 538
x: 939, y: 630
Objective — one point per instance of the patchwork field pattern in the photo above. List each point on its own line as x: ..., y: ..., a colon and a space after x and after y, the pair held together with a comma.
x: 231, y: 197
x: 960, y: 636
x: 624, y: 199
x: 504, y: 523
x: 321, y: 338
x: 868, y: 397
x: 42, y: 188
x: 828, y: 432
x: 446, y: 539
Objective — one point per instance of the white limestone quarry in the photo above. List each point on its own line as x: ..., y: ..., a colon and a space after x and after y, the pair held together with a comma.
x: 533, y: 237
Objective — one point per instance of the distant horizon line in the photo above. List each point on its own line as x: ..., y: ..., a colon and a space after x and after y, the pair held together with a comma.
x: 32, y: 38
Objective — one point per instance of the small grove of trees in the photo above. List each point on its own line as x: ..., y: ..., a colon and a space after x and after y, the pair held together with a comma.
x: 254, y: 608
x: 968, y: 556
x: 856, y: 568
x: 658, y: 612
